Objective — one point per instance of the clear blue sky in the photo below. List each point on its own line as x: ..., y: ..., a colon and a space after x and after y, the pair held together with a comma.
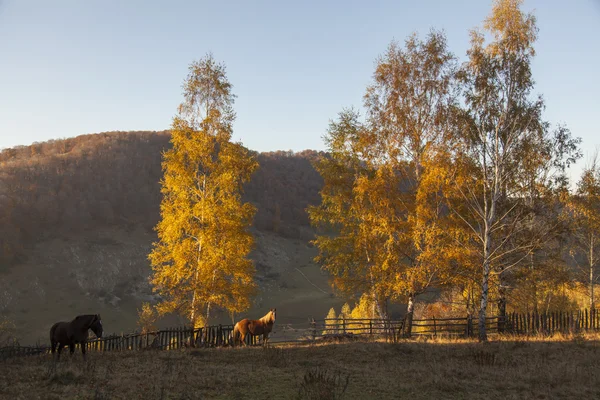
x: 86, y: 66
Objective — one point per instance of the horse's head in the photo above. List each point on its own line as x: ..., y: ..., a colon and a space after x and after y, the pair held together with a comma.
x: 273, y: 314
x: 96, y: 326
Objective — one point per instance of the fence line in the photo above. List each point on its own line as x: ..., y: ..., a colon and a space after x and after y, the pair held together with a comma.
x: 339, y: 329
x: 166, y: 339
x: 552, y: 322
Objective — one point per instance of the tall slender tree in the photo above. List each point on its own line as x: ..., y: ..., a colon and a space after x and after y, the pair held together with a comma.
x: 542, y: 185
x: 499, y: 121
x: 585, y: 212
x: 388, y: 226
x: 408, y: 108
x: 353, y: 253
x: 201, y: 258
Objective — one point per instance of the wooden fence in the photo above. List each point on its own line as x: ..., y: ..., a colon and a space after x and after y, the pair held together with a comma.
x: 341, y: 328
x: 166, y: 339
x: 513, y: 323
x: 550, y: 323
x: 338, y: 329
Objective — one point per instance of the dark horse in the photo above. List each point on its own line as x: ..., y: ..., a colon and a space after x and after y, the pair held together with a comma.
x: 261, y: 326
x: 76, y: 331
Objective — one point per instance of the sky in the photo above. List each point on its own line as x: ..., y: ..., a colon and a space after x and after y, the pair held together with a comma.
x: 71, y: 67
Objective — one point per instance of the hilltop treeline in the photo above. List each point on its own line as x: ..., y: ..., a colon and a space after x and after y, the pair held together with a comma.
x: 66, y: 186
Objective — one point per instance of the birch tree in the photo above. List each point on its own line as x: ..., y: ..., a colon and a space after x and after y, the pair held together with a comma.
x: 352, y: 247
x: 378, y: 190
x: 201, y: 259
x: 585, y: 212
x: 500, y: 117
x: 543, y: 187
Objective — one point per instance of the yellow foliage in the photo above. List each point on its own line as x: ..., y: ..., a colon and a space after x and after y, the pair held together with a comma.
x: 364, y: 309
x: 147, y: 317
x: 388, y: 228
x: 201, y: 258
x: 346, y: 311
x: 330, y: 323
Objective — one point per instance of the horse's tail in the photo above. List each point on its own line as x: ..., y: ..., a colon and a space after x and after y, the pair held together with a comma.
x: 235, y: 333
x: 52, y: 339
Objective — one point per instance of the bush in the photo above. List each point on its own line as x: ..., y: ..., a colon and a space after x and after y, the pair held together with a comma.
x: 320, y: 384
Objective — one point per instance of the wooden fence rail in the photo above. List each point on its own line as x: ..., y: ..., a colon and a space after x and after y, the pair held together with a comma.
x: 166, y: 339
x: 553, y: 322
x: 337, y: 329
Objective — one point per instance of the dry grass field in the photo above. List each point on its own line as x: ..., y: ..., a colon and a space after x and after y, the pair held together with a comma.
x: 509, y: 369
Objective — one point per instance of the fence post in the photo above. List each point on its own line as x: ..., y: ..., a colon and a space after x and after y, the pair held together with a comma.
x: 469, y: 332
x: 434, y: 328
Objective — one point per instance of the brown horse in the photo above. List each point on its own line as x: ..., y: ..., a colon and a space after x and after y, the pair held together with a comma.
x: 76, y: 331
x: 261, y: 326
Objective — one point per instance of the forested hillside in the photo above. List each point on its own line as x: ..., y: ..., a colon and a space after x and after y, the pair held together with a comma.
x: 77, y: 220
x: 112, y: 179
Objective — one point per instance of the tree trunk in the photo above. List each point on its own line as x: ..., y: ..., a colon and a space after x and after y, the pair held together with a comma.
x: 592, y: 272
x: 207, y: 314
x: 502, y: 302
x: 408, y: 320
x: 485, y: 286
x: 533, y: 284
x: 194, y: 313
x: 484, y: 300
x: 379, y: 306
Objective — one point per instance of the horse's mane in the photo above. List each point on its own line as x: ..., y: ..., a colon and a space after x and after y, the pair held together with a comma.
x: 268, y: 318
x: 82, y: 320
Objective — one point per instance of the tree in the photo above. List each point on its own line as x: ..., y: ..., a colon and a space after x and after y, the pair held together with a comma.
x: 498, y: 124
x: 147, y: 318
x: 201, y: 258
x: 584, y: 207
x: 408, y: 106
x: 388, y: 242
x: 331, y: 323
x: 346, y: 311
x: 351, y: 199
x: 543, y: 186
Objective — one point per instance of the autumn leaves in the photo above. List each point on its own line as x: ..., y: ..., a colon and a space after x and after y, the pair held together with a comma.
x: 439, y: 183
x: 200, y: 261
x: 431, y: 189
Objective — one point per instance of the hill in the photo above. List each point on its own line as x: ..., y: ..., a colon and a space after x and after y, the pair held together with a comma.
x: 76, y: 225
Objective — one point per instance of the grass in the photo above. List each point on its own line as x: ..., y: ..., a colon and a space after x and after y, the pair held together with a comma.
x: 513, y: 368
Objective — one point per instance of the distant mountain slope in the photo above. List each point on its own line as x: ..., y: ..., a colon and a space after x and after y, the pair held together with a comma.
x: 112, y: 179
x: 76, y: 225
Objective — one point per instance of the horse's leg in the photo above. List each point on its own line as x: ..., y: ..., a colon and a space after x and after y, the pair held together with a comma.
x: 71, y: 348
x: 83, y: 350
x: 243, y: 338
x: 59, y: 349
x: 53, y: 347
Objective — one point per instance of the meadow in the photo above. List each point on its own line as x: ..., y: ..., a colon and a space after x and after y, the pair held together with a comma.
x: 510, y: 368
